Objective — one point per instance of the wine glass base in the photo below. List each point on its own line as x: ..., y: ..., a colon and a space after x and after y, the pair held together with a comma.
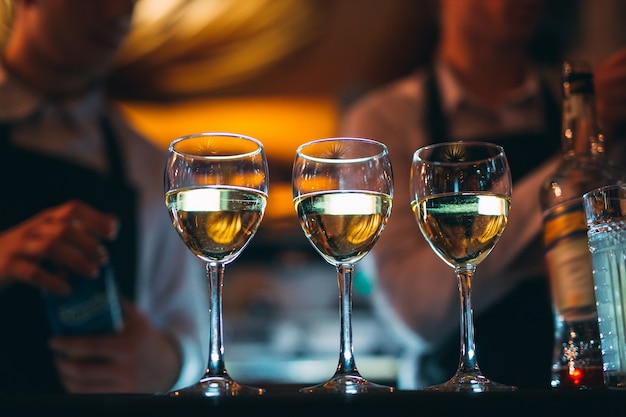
x: 216, y: 386
x: 347, y: 384
x: 472, y: 382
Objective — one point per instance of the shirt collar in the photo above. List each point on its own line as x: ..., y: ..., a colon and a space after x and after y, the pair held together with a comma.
x: 18, y: 101
x: 454, y: 95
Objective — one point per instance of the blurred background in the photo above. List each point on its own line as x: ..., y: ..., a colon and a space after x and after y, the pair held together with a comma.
x: 283, y: 71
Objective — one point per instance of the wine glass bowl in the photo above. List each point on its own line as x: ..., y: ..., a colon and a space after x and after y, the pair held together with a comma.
x: 460, y: 195
x: 216, y: 192
x: 343, y: 190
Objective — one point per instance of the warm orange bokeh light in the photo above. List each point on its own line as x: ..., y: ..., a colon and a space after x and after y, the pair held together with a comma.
x: 281, y: 123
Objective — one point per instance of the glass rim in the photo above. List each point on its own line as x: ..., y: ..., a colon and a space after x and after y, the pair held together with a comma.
x: 417, y: 158
x: 173, y: 143
x: 383, y: 150
x: 604, y: 189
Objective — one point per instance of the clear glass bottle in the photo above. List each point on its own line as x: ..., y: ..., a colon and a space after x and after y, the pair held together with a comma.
x: 577, y: 361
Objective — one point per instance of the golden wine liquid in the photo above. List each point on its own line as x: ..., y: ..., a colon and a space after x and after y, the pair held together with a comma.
x: 462, y: 228
x: 216, y: 223
x: 343, y: 226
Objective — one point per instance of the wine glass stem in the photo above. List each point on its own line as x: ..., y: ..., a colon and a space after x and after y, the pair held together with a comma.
x: 469, y: 362
x: 347, y: 365
x: 216, y: 366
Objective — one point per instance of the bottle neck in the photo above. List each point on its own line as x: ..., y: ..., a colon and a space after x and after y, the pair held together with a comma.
x: 582, y: 135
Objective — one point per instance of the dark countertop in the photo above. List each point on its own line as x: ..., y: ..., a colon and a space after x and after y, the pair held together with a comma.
x: 286, y: 401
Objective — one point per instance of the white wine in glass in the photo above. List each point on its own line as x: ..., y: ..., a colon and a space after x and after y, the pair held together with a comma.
x: 461, y: 194
x: 343, y: 190
x: 216, y: 192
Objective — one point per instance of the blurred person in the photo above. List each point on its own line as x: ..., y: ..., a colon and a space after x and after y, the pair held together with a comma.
x: 78, y: 179
x: 481, y: 84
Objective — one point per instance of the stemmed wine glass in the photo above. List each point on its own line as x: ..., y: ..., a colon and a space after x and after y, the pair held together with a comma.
x: 460, y: 194
x: 216, y: 192
x: 343, y: 189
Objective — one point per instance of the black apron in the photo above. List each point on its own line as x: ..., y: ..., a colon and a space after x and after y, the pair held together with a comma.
x: 32, y: 182
x: 514, y: 337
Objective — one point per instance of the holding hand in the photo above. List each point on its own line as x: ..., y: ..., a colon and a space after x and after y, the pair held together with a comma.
x: 66, y: 237
x: 610, y: 81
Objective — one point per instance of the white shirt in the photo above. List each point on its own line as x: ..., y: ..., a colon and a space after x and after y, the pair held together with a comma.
x: 521, y: 110
x: 171, y: 285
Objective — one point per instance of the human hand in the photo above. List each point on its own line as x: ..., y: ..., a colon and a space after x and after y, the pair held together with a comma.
x: 610, y: 82
x: 139, y: 359
x: 67, y: 237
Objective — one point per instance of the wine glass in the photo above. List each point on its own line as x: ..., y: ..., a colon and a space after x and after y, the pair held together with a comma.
x: 216, y: 192
x: 460, y: 194
x: 343, y: 189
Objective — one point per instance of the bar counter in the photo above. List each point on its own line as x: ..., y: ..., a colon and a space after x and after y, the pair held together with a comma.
x: 286, y: 401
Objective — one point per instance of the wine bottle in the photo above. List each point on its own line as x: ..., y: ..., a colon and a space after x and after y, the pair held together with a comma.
x: 577, y: 360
